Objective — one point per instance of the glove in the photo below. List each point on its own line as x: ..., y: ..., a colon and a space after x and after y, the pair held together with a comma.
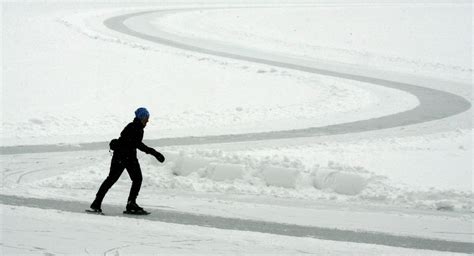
x: 158, y: 156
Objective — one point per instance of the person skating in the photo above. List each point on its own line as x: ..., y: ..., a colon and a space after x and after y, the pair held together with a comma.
x: 125, y: 157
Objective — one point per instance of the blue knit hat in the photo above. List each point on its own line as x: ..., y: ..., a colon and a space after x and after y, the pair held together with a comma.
x: 142, y: 113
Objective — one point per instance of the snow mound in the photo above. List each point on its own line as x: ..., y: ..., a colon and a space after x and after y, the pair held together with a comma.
x: 225, y: 171
x: 245, y: 174
x: 186, y: 165
x: 444, y: 205
x: 265, y: 173
x: 340, y: 182
x: 280, y: 177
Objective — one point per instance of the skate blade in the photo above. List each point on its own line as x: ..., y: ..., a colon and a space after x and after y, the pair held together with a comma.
x: 94, y: 212
x: 135, y: 213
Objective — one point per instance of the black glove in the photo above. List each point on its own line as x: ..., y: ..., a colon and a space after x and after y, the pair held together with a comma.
x: 158, y: 156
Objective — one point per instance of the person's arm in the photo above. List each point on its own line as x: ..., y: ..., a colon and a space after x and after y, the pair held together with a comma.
x: 142, y: 147
x: 151, y: 151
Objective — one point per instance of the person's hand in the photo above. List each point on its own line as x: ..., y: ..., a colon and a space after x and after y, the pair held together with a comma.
x: 158, y: 156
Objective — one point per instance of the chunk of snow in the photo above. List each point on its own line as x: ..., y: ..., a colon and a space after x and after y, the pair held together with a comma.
x: 444, y: 206
x: 339, y: 181
x: 224, y: 171
x: 186, y: 165
x: 280, y: 177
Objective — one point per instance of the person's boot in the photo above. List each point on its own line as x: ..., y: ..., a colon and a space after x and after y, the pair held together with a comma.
x: 133, y: 208
x: 96, y: 206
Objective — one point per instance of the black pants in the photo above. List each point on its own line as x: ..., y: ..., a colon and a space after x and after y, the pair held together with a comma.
x: 117, y: 166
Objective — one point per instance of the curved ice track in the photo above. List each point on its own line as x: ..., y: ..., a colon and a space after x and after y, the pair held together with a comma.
x: 434, y: 104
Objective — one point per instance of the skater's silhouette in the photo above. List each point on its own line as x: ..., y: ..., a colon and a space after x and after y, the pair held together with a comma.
x: 125, y: 157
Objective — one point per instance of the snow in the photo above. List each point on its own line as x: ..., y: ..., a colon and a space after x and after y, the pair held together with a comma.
x: 185, y: 165
x: 59, y: 233
x: 67, y: 79
x: 220, y: 96
x: 340, y: 182
x: 280, y: 177
x: 225, y: 171
x: 366, y: 38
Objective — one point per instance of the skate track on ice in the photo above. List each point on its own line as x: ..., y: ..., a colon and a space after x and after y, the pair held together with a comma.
x: 434, y: 104
x: 170, y: 216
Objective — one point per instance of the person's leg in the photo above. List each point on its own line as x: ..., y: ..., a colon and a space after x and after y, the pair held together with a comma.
x: 116, y: 169
x: 135, y: 173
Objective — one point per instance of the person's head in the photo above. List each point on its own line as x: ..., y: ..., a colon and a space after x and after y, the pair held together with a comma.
x: 143, y: 115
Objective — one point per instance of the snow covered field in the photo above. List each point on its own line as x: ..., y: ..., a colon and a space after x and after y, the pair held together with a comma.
x: 68, y: 79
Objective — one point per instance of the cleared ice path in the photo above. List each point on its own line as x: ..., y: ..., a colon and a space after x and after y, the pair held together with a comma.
x: 176, y: 217
x: 434, y: 104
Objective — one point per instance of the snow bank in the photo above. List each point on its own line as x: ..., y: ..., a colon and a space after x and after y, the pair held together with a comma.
x: 286, y: 174
x: 279, y: 174
x: 271, y: 174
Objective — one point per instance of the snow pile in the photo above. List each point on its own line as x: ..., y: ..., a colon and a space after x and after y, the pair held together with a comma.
x: 444, y: 205
x: 225, y: 171
x: 274, y: 174
x: 340, y: 182
x: 186, y: 165
x: 267, y: 173
x: 280, y: 176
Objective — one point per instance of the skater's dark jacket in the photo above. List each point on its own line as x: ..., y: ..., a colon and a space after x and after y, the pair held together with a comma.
x: 130, y: 140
